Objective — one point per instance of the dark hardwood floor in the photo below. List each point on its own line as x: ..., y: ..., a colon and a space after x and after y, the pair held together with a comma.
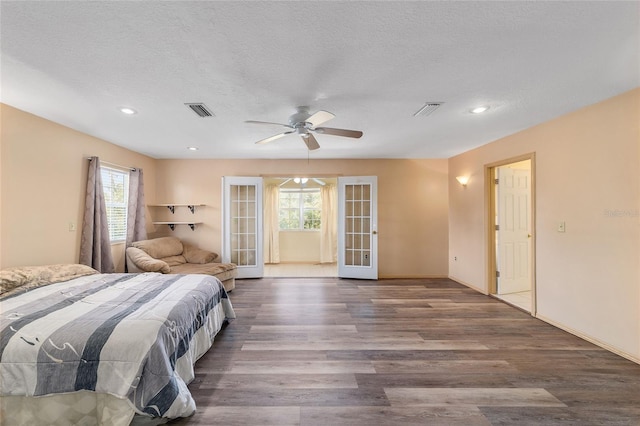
x: 402, y: 352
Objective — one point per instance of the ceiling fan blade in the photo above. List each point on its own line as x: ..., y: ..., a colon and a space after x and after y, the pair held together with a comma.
x: 272, y: 138
x: 339, y: 132
x: 319, y: 117
x: 311, y: 142
x: 267, y: 122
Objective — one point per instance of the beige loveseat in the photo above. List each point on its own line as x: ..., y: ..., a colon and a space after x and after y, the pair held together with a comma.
x: 169, y: 255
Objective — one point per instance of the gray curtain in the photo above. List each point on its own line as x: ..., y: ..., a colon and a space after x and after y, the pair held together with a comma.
x: 95, y: 246
x: 136, y: 223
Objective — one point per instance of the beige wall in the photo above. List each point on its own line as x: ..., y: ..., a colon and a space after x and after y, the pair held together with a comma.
x: 299, y: 246
x: 587, y: 173
x: 43, y: 179
x: 412, y: 203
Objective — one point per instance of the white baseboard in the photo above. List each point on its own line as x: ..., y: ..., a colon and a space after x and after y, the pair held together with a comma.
x: 471, y: 286
x: 590, y: 339
x: 563, y: 327
x: 409, y: 277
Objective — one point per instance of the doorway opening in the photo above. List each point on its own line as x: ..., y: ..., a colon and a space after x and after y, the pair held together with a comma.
x: 300, y: 224
x: 511, y: 232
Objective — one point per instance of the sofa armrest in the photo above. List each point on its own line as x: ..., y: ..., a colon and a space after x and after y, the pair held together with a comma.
x: 197, y: 255
x: 141, y: 260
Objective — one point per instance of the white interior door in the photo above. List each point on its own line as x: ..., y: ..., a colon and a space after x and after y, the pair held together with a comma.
x: 358, y: 227
x: 513, y: 234
x: 242, y: 225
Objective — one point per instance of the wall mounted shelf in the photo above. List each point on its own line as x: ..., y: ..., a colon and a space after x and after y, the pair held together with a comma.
x: 172, y: 207
x: 172, y: 225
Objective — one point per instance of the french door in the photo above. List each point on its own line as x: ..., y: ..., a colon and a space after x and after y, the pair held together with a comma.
x: 242, y: 225
x: 358, y: 227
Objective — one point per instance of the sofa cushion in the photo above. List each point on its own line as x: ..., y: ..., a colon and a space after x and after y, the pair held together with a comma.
x: 159, y: 248
x: 143, y: 261
x: 194, y: 254
x: 223, y: 271
x: 174, y: 260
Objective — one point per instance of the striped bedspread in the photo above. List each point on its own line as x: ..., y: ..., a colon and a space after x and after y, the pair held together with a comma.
x: 127, y: 335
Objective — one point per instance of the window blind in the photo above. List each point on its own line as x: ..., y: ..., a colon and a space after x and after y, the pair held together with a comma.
x: 115, y: 185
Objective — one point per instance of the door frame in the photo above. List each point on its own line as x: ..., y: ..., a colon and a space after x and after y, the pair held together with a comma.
x: 490, y: 212
x: 309, y: 176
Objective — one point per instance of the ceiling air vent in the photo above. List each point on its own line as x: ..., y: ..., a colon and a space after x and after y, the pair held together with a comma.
x: 427, y: 108
x: 200, y: 109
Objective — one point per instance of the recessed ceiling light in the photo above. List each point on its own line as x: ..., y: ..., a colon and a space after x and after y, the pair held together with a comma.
x: 480, y: 109
x: 127, y: 110
x: 192, y: 148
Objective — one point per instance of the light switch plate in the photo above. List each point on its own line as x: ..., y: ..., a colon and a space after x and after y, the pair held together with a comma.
x: 561, y: 226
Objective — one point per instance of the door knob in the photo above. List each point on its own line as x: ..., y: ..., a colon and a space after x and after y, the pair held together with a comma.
x: 374, y: 232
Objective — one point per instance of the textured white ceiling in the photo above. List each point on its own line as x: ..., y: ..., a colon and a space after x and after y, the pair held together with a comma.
x: 373, y: 64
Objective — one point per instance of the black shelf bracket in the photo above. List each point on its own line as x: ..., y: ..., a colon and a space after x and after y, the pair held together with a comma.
x: 173, y: 225
x: 173, y: 210
x: 192, y: 208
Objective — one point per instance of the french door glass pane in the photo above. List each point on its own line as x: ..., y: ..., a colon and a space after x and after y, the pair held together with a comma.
x: 243, y: 225
x: 357, y: 225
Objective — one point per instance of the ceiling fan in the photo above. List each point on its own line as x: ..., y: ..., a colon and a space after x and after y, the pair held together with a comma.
x: 303, y: 124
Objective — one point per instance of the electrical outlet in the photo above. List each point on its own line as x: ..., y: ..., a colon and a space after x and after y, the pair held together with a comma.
x: 561, y: 226
x: 455, y: 258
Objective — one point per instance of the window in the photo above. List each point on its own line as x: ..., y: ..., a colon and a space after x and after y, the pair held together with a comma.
x: 115, y: 185
x: 300, y: 209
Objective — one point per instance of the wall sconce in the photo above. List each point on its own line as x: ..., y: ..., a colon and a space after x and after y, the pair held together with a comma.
x: 298, y: 180
x: 463, y: 180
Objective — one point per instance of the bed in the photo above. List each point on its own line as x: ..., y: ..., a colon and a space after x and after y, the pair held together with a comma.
x: 80, y: 347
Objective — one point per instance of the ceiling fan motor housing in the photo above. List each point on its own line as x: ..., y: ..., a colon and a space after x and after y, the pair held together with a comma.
x: 299, y: 118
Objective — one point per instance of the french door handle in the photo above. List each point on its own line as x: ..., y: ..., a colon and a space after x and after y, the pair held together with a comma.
x: 374, y: 232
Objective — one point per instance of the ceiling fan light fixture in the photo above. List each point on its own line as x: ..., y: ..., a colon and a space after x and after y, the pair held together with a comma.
x: 302, y: 131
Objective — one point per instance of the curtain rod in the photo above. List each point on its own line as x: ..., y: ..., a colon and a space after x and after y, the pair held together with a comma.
x: 112, y: 164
